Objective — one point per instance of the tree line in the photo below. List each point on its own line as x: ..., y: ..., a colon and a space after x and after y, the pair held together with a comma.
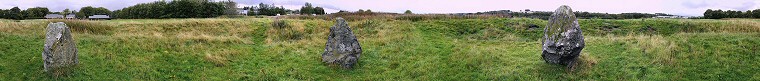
x: 165, y: 9
x: 40, y: 12
x: 267, y: 9
x: 718, y: 14
x: 18, y: 14
x: 173, y: 9
x: 271, y: 10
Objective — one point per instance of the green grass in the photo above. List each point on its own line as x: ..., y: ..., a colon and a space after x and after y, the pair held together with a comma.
x: 441, y: 49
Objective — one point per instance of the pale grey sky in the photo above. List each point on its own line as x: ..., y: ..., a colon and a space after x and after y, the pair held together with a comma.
x: 678, y: 7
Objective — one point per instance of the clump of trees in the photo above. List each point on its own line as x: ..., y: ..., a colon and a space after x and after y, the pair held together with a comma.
x: 173, y: 9
x: 308, y: 9
x: 364, y: 12
x: 84, y: 12
x: 269, y: 10
x: 36, y: 12
x: 718, y: 14
x: 18, y: 14
x: 231, y: 7
x: 13, y: 13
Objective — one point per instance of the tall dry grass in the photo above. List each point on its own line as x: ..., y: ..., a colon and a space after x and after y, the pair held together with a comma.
x: 86, y: 26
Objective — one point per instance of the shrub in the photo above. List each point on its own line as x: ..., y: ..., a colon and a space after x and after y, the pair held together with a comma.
x: 282, y: 31
x: 367, y: 28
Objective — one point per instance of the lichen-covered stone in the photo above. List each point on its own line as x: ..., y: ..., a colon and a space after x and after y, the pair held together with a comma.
x: 342, y: 47
x: 60, y: 51
x: 563, y: 40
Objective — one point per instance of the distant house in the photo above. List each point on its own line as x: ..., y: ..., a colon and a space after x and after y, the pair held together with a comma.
x: 71, y: 16
x: 54, y: 16
x: 243, y: 12
x: 106, y: 17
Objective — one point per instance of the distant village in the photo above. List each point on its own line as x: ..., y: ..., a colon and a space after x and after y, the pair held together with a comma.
x: 72, y: 16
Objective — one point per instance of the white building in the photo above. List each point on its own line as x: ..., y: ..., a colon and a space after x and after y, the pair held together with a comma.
x: 99, y: 17
x: 243, y: 12
x: 71, y: 16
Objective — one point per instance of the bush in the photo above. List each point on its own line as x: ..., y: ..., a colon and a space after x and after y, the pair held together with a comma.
x: 367, y: 28
x: 282, y: 31
x: 279, y: 24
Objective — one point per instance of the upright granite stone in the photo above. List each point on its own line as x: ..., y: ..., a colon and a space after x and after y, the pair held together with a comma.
x: 342, y: 47
x: 562, y: 41
x: 60, y: 51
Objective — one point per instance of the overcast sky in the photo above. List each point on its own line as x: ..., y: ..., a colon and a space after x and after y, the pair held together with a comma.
x: 678, y: 7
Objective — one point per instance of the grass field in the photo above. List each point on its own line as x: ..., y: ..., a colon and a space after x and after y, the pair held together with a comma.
x: 440, y: 49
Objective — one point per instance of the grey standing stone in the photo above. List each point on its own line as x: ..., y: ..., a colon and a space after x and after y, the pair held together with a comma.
x: 60, y: 51
x: 563, y: 40
x: 342, y: 47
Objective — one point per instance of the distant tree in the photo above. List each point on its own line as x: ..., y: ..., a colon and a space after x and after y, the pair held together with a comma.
x: 708, y: 14
x: 360, y: 11
x: 37, y: 12
x: 173, y: 9
x: 307, y: 9
x: 747, y: 14
x: 231, y: 7
x: 319, y: 10
x: 755, y: 13
x: 281, y: 10
x: 3, y: 14
x: 101, y: 11
x: 66, y: 11
x: 15, y: 13
x: 84, y: 12
x: 269, y: 10
x: 718, y: 14
x: 183, y: 9
x: 408, y: 12
x: 368, y: 11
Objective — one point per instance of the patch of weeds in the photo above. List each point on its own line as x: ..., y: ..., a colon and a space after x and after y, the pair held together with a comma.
x: 368, y: 28
x: 282, y: 30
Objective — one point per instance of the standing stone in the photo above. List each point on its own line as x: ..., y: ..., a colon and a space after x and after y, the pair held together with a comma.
x: 60, y: 51
x: 562, y: 41
x: 342, y: 47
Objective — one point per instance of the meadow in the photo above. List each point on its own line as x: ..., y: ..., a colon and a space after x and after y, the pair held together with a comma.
x: 393, y: 49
